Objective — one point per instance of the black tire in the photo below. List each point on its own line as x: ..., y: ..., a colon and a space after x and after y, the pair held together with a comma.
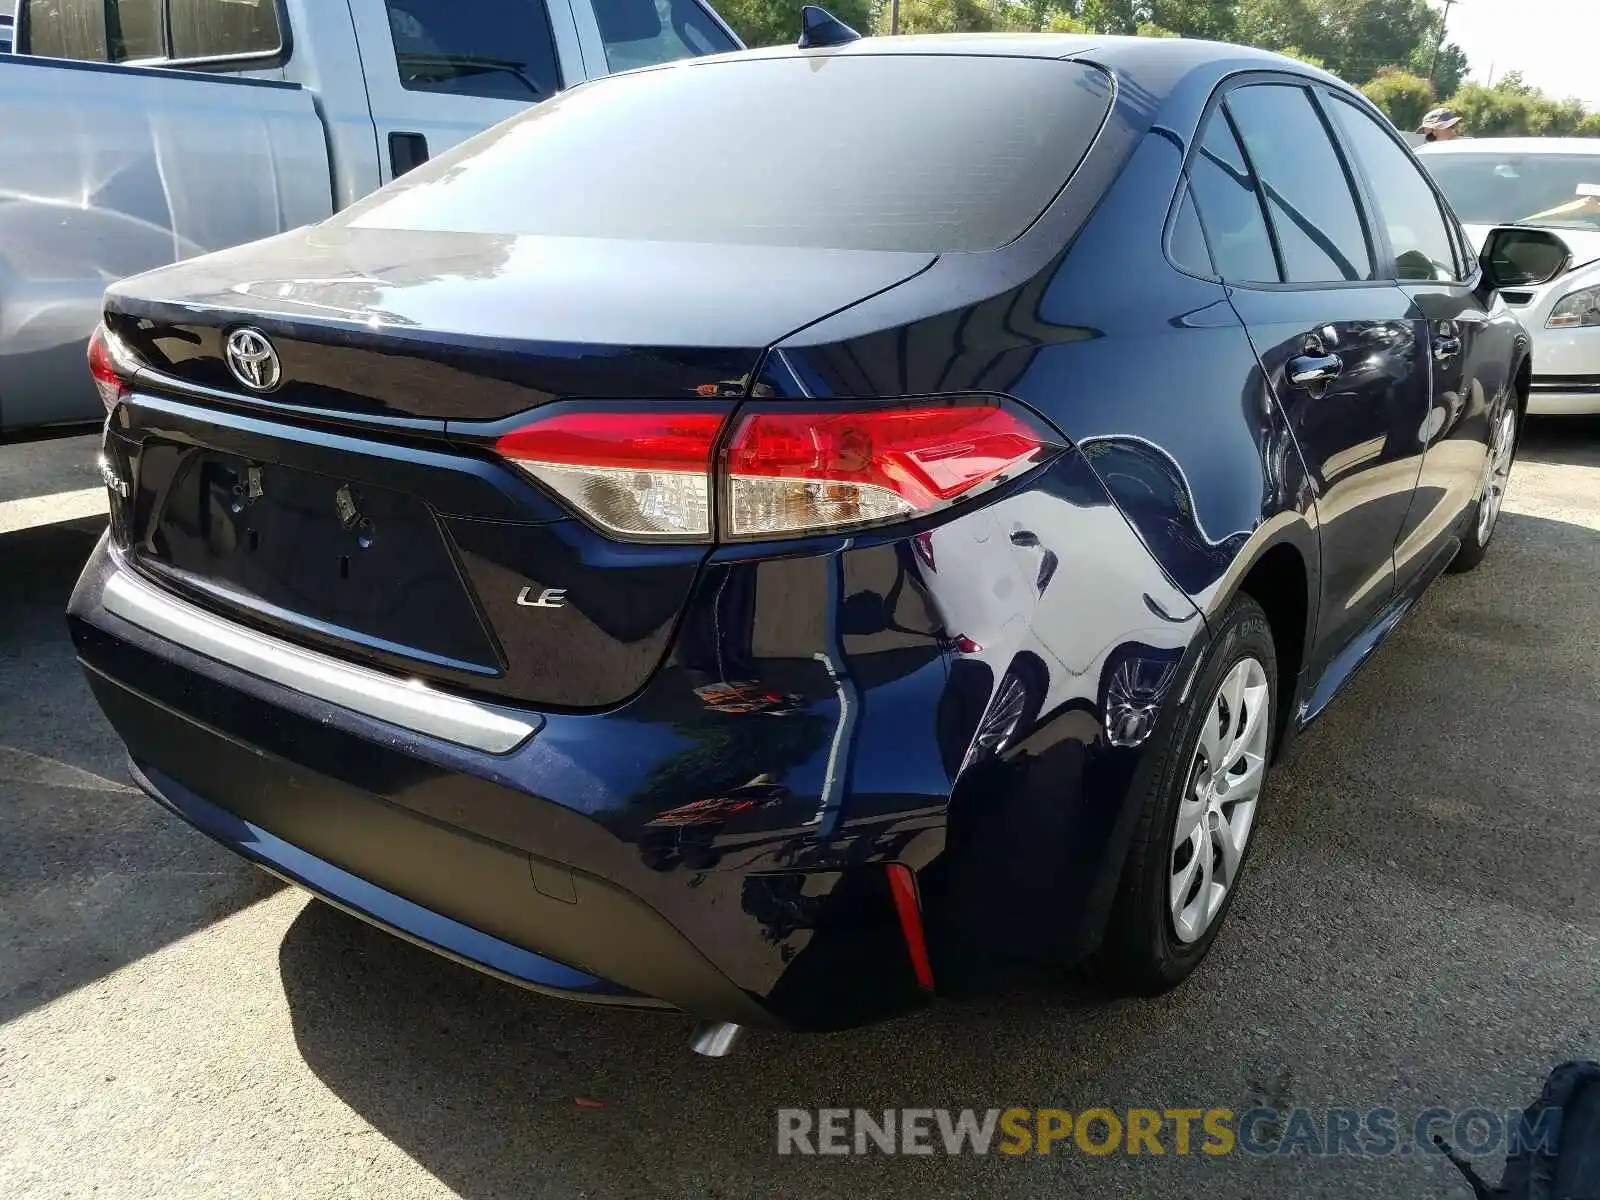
x: 1141, y: 953
x: 1473, y: 549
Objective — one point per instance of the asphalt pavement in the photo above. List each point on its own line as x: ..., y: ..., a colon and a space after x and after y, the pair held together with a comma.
x: 1420, y: 926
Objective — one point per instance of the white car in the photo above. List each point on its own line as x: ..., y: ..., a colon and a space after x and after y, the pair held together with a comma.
x: 1553, y: 183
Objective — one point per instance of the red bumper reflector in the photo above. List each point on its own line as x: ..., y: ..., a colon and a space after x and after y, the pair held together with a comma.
x: 903, y: 887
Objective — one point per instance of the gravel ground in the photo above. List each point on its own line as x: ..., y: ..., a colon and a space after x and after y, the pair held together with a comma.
x: 1421, y: 926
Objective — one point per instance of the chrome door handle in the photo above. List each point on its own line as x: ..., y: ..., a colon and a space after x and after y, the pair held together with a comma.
x: 1314, y: 372
x: 1446, y: 347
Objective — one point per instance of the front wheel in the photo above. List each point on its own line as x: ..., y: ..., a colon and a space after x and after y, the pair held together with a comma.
x: 1193, y: 837
x: 1491, y: 494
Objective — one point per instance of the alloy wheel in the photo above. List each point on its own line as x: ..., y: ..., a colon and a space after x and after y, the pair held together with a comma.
x: 1496, y: 474
x: 1218, y: 806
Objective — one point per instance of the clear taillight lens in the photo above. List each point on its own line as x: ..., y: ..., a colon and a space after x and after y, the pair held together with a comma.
x: 648, y: 473
x: 110, y: 375
x: 639, y: 474
x: 794, y: 470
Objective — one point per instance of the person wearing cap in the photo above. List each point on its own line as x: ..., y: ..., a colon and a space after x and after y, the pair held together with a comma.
x: 1440, y: 125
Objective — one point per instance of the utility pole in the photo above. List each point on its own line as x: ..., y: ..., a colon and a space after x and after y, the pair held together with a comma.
x: 894, y: 17
x: 1444, y: 23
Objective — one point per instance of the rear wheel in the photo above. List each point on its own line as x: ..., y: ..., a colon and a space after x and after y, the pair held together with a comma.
x: 1193, y: 837
x: 1492, y: 493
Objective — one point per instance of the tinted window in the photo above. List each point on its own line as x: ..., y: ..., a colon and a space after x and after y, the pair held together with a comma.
x: 1410, y: 211
x: 496, y: 48
x: 133, y: 30
x: 880, y: 152
x: 1230, y: 210
x: 1188, y: 247
x: 224, y: 28
x: 641, y: 33
x: 1314, y: 213
x: 65, y: 29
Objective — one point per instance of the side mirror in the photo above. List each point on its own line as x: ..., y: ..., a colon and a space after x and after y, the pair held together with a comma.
x: 1517, y: 256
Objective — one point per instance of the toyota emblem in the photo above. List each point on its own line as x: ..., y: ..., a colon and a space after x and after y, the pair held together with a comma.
x: 253, y: 361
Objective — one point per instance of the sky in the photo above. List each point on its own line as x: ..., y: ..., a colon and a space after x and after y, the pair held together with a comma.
x: 1554, y: 43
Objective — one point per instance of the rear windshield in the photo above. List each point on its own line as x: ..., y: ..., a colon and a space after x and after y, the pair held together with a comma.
x: 868, y: 152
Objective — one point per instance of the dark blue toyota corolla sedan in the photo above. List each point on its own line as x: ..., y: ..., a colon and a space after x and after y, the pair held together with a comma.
x: 785, y: 535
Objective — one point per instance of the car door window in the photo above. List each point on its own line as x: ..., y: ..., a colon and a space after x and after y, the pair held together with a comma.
x: 73, y: 29
x: 133, y: 30
x: 502, y: 49
x: 1313, y: 209
x: 1418, y: 231
x: 1188, y: 244
x: 224, y: 28
x: 1229, y: 207
x: 641, y: 33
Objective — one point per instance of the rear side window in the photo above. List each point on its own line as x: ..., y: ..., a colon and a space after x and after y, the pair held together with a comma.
x: 1188, y: 244
x: 1314, y: 212
x: 65, y: 29
x: 127, y: 30
x: 133, y: 30
x: 870, y: 152
x: 501, y: 49
x: 1418, y: 232
x: 642, y: 33
x: 1229, y: 206
x: 224, y: 28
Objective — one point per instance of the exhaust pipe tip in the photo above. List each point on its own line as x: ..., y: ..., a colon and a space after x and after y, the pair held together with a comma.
x: 715, y: 1039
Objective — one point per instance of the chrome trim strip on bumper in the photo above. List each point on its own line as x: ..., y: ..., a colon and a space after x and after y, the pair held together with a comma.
x: 412, y: 705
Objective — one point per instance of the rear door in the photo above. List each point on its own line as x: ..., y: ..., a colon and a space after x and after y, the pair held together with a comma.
x: 439, y: 71
x: 1470, y: 354
x: 1340, y: 346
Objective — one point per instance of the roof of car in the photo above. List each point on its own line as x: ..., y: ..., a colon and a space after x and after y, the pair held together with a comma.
x: 1513, y: 145
x: 1123, y: 52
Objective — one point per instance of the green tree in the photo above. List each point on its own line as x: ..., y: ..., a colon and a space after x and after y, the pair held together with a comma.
x: 1112, y: 16
x: 1352, y: 38
x: 1405, y: 98
x: 944, y: 16
x: 1513, y: 108
x: 1272, y: 24
x: 1308, y: 59
x: 1061, y: 22
x: 1195, y: 18
x: 774, y: 22
x: 1589, y: 126
x: 1513, y: 84
x: 1492, y: 112
x: 1449, y: 73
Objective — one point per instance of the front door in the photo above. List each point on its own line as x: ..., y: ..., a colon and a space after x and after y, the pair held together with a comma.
x: 439, y: 71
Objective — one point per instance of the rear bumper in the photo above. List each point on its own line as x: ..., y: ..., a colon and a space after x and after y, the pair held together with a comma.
x: 526, y: 864
x: 385, y: 909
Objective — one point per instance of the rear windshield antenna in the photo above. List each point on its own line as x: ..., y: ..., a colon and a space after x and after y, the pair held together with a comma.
x: 819, y: 27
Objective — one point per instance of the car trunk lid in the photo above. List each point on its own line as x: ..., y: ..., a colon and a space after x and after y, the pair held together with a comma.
x: 358, y: 508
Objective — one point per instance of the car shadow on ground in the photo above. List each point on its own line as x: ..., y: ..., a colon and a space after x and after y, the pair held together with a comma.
x: 92, y: 874
x: 1571, y: 441
x: 1419, y: 831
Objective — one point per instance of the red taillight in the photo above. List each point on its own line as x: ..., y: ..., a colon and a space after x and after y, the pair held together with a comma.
x: 648, y: 472
x: 790, y: 471
x: 644, y: 473
x: 111, y: 379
